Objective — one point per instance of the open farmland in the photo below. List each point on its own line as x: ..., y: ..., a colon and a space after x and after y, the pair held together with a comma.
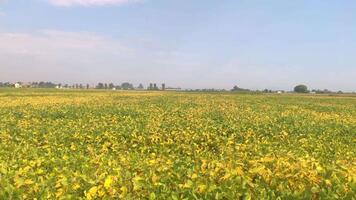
x: 169, y: 145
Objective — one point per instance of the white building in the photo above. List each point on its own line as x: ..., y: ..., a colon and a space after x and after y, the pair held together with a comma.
x: 173, y: 89
x: 18, y: 85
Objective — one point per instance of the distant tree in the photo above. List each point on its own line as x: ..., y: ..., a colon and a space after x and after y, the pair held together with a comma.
x: 100, y: 86
x: 163, y: 86
x: 140, y: 87
x: 301, y: 89
x: 327, y: 91
x: 155, y: 86
x: 237, y: 89
x: 81, y: 86
x: 324, y: 91
x: 106, y: 86
x: 46, y: 85
x: 6, y: 84
x: 111, y: 86
x: 127, y: 86
x: 87, y: 86
x: 151, y: 86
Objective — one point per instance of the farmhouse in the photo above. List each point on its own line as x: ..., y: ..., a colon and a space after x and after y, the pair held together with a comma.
x: 18, y: 85
x: 173, y: 89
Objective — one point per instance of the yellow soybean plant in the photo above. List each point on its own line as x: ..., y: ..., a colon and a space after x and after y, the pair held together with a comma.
x: 168, y: 145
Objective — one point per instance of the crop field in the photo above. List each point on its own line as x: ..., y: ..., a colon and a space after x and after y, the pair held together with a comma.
x: 67, y: 144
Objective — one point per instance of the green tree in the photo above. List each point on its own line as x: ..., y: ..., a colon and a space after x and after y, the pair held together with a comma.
x: 127, y: 86
x: 301, y: 89
x: 140, y: 87
x: 100, y: 86
x: 238, y: 89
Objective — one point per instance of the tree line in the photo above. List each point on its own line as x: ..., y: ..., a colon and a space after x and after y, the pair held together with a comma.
x: 100, y: 85
x: 301, y: 88
x: 41, y: 84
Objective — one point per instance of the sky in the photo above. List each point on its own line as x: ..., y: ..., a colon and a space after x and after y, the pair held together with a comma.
x: 253, y: 44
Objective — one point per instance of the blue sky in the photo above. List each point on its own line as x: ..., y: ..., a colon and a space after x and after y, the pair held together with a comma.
x: 188, y: 43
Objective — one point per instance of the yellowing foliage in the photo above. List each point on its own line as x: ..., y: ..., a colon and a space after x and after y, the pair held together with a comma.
x: 167, y: 145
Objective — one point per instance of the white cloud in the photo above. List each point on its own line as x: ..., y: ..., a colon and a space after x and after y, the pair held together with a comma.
x: 52, y: 42
x: 60, y: 56
x: 91, y: 2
